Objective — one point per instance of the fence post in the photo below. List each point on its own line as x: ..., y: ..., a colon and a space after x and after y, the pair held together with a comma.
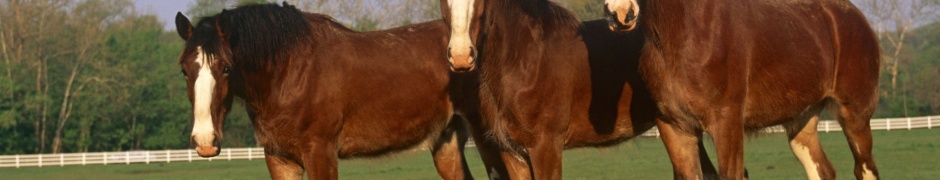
x: 249, y: 153
x: 167, y: 156
x: 908, y: 123
x: 127, y: 157
x: 105, y: 157
x: 17, y: 161
x: 929, y: 124
x: 190, y: 155
x: 888, y: 125
x: 40, y: 160
x: 229, y: 153
x: 147, y: 156
x: 61, y: 159
x: 827, y: 126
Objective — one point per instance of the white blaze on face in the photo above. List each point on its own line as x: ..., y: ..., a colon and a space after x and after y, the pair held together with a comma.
x: 205, y: 84
x: 461, y: 14
x: 802, y: 153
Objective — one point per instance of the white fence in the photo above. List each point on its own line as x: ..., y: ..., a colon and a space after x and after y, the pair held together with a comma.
x: 189, y: 155
x: 164, y: 156
x: 876, y: 124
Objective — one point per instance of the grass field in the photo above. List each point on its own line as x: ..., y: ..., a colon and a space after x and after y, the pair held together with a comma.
x: 901, y: 154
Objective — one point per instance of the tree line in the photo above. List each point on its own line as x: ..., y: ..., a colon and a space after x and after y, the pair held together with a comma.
x: 97, y: 75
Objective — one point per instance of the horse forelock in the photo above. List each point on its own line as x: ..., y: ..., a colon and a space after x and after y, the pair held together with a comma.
x: 252, y: 36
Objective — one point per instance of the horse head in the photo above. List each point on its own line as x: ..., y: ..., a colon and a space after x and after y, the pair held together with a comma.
x: 622, y: 15
x: 463, y: 19
x: 206, y: 65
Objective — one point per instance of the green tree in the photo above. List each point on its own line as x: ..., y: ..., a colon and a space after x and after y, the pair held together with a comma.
x: 585, y: 9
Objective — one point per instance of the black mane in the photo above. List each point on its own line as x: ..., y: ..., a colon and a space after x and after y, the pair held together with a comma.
x: 255, y: 34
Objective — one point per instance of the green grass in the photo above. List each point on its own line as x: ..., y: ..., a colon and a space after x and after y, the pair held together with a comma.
x: 901, y: 154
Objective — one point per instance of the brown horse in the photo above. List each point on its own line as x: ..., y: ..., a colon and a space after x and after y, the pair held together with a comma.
x: 615, y: 107
x: 731, y: 67
x: 317, y: 91
x: 530, y: 79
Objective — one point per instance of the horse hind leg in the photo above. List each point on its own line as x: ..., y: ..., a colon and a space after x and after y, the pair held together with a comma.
x: 804, y: 141
x: 448, y: 150
x: 855, y: 120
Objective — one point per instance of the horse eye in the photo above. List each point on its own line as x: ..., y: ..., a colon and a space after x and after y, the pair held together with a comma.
x: 226, y: 69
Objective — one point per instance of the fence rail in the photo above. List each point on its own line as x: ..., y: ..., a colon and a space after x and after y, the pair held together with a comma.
x: 888, y: 124
x: 189, y: 155
x: 127, y: 157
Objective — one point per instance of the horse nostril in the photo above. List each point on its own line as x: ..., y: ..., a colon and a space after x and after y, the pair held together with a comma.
x: 192, y: 141
x: 448, y: 52
x: 631, y: 15
x: 216, y: 141
x: 607, y: 11
x: 473, y: 52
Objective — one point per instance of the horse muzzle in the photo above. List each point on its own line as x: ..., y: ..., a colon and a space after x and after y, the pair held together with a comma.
x: 620, y: 21
x: 206, y: 146
x: 462, y: 62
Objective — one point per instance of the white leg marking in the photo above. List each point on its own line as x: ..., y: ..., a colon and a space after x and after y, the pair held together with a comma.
x: 493, y: 173
x: 802, y: 153
x: 867, y: 174
x: 205, y: 83
x: 461, y: 14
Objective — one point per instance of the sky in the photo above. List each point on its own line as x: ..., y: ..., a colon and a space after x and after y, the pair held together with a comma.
x: 164, y: 9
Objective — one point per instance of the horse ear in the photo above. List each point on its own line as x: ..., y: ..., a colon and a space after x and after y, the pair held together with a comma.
x: 183, y: 26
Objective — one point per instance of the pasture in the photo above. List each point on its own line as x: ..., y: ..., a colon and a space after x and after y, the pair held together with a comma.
x: 900, y: 154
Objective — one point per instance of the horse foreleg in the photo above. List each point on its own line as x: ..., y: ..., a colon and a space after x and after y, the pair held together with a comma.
x: 708, y: 169
x: 804, y: 141
x: 726, y: 127
x: 283, y: 168
x: 681, y: 146
x: 448, y: 152
x: 516, y: 165
x: 321, y: 160
x: 545, y: 157
x: 496, y: 167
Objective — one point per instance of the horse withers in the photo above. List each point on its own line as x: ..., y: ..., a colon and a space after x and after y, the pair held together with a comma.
x: 731, y: 67
x: 317, y: 91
